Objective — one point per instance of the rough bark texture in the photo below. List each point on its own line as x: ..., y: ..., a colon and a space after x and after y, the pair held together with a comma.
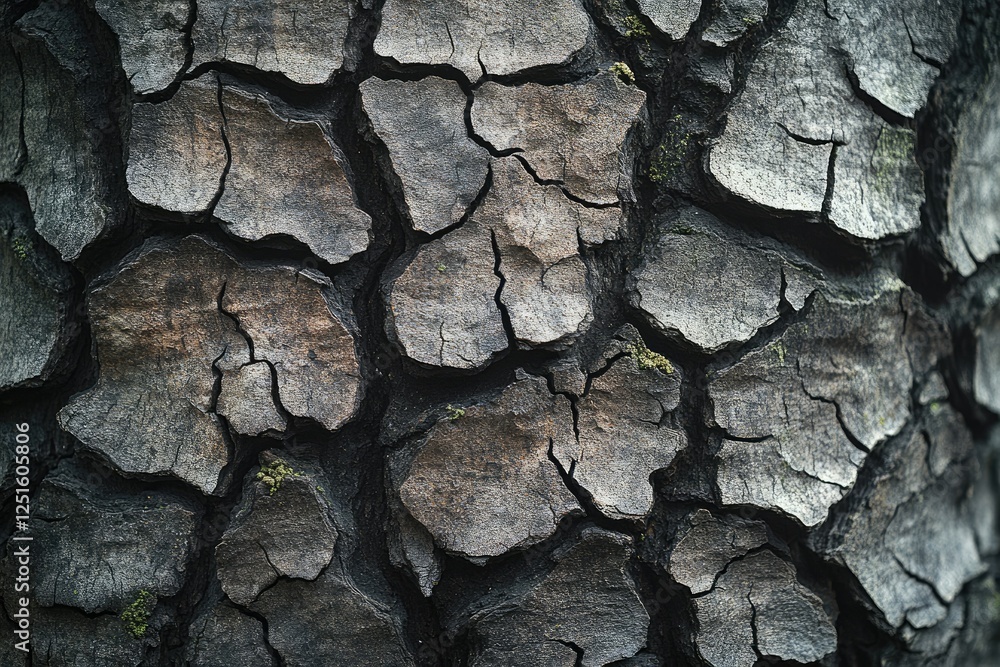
x: 455, y: 333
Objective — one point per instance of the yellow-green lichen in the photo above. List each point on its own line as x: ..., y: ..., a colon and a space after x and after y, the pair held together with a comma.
x: 20, y: 247
x: 646, y: 359
x: 623, y: 72
x: 454, y: 413
x: 136, y: 615
x: 274, y: 473
x: 441, y: 267
x: 635, y: 27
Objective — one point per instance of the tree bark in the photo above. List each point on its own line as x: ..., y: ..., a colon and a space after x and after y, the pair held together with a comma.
x: 434, y: 333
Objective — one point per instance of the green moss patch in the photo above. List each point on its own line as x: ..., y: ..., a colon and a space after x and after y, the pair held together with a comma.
x: 646, y: 359
x: 274, y: 473
x: 136, y: 615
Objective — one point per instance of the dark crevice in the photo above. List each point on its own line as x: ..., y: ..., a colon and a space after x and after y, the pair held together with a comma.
x: 576, y: 649
x: 893, y: 118
x: 923, y: 580
x: 826, y: 10
x: 470, y: 211
x: 273, y: 652
x: 275, y: 396
x: 749, y: 440
x: 913, y: 47
x: 586, y: 500
x: 831, y: 180
x: 187, y: 30
x: 476, y: 137
x: 725, y: 569
x: 498, y: 297
x: 784, y: 303
x: 388, y: 68
x: 557, y: 183
x: 840, y: 415
x: 753, y: 623
x: 604, y: 368
x: 808, y: 140
x: 210, y: 211
x: 288, y: 418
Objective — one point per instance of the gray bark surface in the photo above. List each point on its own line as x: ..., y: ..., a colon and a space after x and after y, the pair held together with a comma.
x: 455, y: 333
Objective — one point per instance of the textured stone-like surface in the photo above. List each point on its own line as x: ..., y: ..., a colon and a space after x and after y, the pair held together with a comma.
x: 358, y: 632
x: 713, y: 69
x: 896, y: 49
x: 758, y: 606
x: 684, y: 287
x: 966, y: 635
x: 224, y: 636
x: 422, y: 124
x: 705, y: 545
x: 411, y: 547
x: 449, y: 319
x: 986, y: 375
x: 572, y: 134
x: 151, y: 37
x: 841, y: 368
x: 287, y: 533
x: 302, y: 40
x: 246, y: 400
x: 800, y: 283
x: 66, y: 637
x: 537, y: 230
x: 62, y: 170
x: 935, y: 641
x: 640, y: 660
x: 504, y: 37
x: 287, y: 178
x: 789, y: 478
x: 444, y: 503
x: 914, y: 547
x: 973, y: 231
x: 176, y: 152
x: 934, y: 389
x: 8, y: 653
x: 732, y: 19
x: 483, y: 483
x: 96, y: 549
x: 34, y: 300
x: 674, y: 17
x: 11, y: 112
x: 160, y: 316
x: 878, y: 186
x: 758, y: 161
x: 443, y: 308
x: 295, y: 329
x: 796, y: 115
x: 588, y: 601
x: 623, y: 437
